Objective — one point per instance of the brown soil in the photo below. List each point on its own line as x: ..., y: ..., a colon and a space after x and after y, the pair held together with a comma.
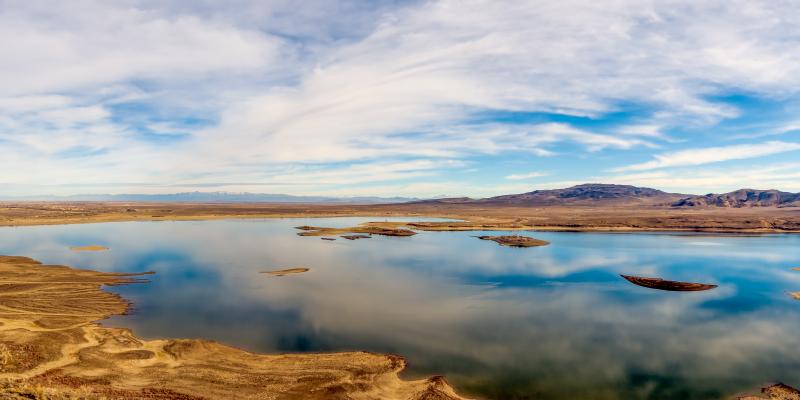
x: 289, y: 271
x: 515, y: 241
x: 52, y: 348
x: 475, y: 216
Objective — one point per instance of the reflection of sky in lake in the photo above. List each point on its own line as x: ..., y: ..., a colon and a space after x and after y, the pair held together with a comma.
x: 552, y: 322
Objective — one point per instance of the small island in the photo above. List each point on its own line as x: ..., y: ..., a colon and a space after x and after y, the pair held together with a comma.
x: 515, y: 241
x: 672, y: 286
x: 363, y: 230
x: 355, y: 237
x: 89, y: 248
x: 288, y: 271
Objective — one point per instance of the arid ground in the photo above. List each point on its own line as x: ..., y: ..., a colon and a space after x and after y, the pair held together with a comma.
x: 52, y: 348
x: 476, y: 216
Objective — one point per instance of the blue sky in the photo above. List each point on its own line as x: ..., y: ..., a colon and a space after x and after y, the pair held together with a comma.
x: 396, y: 98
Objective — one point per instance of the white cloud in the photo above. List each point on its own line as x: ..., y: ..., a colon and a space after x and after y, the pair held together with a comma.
x: 60, y: 47
x: 772, y: 129
x: 702, y: 180
x: 530, y: 175
x: 770, y: 176
x: 363, y: 86
x: 709, y: 155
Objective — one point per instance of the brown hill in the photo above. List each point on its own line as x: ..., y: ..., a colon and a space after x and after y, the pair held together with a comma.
x: 584, y: 195
x: 742, y: 198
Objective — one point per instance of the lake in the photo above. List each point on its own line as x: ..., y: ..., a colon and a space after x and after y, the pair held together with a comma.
x: 553, y: 322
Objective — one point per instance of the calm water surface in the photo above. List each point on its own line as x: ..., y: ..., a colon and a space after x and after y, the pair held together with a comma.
x: 553, y: 322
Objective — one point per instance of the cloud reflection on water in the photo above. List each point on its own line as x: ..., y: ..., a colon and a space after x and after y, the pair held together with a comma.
x: 551, y: 322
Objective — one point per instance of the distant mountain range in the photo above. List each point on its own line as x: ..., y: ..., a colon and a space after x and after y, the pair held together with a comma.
x: 743, y: 198
x: 587, y: 195
x: 596, y: 194
x: 215, y: 197
x: 590, y: 194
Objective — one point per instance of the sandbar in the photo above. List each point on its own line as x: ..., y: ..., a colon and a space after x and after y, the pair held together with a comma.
x: 89, y: 248
x: 288, y: 271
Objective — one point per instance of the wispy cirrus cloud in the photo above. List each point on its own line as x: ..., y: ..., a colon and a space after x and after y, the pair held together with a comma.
x: 782, y: 176
x: 529, y: 175
x: 709, y: 155
x: 162, y: 94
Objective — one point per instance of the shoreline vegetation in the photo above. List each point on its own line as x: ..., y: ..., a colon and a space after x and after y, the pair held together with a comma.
x: 466, y: 217
x: 51, y: 347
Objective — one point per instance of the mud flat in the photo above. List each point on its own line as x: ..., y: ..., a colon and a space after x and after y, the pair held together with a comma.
x: 51, y: 347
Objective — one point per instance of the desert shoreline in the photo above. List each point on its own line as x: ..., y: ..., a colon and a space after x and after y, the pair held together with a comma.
x: 468, y: 218
x: 118, y: 352
x: 56, y: 348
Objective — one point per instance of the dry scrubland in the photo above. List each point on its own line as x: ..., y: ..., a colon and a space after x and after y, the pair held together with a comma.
x: 475, y: 216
